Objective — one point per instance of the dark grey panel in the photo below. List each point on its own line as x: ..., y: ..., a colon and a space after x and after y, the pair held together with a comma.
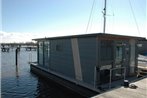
x: 61, y: 58
x: 87, y: 49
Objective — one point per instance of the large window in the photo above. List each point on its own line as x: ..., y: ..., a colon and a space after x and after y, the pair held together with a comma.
x: 46, y: 53
x: 40, y: 54
x: 119, y: 53
x: 106, y: 50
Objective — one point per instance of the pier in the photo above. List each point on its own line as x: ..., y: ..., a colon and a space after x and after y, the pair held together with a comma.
x: 122, y: 92
x: 5, y: 47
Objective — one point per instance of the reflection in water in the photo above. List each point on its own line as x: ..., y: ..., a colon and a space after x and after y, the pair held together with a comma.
x: 49, y: 89
x: 19, y: 82
x: 17, y: 75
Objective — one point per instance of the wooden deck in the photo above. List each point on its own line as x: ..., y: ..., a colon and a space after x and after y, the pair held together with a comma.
x: 121, y: 92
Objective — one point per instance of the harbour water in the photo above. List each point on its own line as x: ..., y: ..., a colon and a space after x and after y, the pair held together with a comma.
x: 19, y: 82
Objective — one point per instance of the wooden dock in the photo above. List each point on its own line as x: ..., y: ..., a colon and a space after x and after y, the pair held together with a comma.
x: 121, y: 92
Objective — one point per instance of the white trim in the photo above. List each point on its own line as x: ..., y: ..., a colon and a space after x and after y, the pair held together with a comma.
x: 76, y: 59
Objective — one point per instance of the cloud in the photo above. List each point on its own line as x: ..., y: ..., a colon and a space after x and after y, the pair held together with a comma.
x: 10, y: 37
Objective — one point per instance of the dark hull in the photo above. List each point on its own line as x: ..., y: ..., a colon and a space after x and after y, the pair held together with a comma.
x: 68, y: 84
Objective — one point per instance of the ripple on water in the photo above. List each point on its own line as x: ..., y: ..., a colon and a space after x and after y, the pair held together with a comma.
x: 21, y: 83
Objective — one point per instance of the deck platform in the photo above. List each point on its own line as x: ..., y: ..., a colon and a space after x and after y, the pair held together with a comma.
x: 121, y: 92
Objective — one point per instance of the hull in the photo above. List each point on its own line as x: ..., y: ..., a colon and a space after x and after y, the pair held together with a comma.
x: 69, y: 84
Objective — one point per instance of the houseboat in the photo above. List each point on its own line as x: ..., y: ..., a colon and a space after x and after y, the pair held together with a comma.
x: 86, y: 61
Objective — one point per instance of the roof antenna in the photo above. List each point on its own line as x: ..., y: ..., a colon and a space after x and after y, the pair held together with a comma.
x: 104, y: 15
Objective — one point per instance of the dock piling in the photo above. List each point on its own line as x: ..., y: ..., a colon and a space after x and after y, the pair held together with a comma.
x: 16, y: 56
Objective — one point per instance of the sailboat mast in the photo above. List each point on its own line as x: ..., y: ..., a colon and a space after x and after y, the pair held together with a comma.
x: 104, y: 15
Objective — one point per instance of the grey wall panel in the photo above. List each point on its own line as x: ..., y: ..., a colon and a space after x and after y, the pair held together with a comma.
x: 87, y: 49
x: 61, y: 58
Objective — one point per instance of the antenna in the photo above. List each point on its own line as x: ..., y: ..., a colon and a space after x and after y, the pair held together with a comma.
x: 104, y: 15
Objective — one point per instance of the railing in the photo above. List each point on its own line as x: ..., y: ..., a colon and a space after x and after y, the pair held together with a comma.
x: 124, y: 74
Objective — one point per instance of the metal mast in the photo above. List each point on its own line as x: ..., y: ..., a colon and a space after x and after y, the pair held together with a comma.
x: 104, y: 15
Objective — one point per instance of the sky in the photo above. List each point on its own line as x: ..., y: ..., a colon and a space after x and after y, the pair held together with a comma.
x: 23, y: 20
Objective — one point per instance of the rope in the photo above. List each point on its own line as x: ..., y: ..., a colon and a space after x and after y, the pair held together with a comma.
x: 90, y: 16
x: 134, y: 17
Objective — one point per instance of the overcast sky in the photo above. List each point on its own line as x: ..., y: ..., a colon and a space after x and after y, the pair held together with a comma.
x: 23, y: 20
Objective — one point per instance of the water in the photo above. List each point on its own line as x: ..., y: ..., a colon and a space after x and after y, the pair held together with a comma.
x: 19, y: 82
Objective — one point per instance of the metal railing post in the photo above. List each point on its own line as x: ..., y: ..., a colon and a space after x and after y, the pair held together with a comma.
x: 111, y: 74
x: 110, y: 79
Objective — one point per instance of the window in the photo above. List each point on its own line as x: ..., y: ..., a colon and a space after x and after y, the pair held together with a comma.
x: 46, y: 53
x: 40, y: 55
x: 119, y: 50
x: 58, y: 47
x: 106, y: 50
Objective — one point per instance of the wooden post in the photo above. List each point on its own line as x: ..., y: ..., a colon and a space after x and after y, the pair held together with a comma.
x: 16, y: 60
x: 16, y: 54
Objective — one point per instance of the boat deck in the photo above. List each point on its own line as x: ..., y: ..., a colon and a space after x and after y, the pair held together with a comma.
x: 121, y: 92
